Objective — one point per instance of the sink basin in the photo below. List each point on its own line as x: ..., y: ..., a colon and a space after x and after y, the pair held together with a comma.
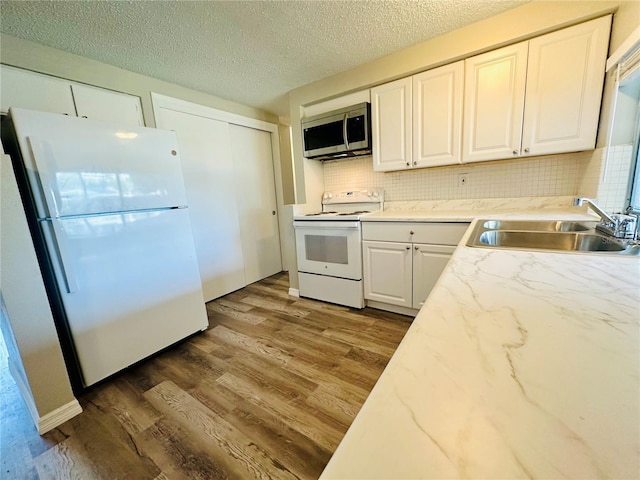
x: 552, y: 241
x: 539, y: 225
x: 557, y: 236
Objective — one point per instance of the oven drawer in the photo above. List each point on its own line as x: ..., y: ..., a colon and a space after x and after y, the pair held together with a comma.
x: 441, y: 233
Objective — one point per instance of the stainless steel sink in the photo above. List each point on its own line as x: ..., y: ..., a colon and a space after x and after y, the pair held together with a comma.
x: 539, y: 225
x: 547, y: 235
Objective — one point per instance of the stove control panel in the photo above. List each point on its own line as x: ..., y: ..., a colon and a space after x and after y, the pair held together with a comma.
x: 354, y: 196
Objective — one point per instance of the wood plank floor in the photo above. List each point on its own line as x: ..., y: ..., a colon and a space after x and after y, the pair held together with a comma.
x: 268, y: 391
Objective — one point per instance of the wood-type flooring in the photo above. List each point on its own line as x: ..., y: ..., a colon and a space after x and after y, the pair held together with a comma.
x: 268, y: 391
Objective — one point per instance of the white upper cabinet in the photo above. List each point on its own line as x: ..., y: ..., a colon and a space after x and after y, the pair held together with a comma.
x: 437, y: 115
x: 391, y: 125
x: 105, y: 105
x: 35, y: 91
x: 494, y: 103
x: 416, y: 121
x: 537, y: 97
x: 21, y: 88
x: 564, y: 88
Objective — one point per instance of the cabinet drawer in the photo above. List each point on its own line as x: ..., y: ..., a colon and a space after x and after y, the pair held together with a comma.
x: 430, y: 233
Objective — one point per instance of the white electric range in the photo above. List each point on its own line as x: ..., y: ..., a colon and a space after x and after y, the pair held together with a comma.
x: 329, y: 246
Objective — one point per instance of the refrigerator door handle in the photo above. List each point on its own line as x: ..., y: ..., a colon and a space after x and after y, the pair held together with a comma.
x: 62, y: 250
x: 43, y: 155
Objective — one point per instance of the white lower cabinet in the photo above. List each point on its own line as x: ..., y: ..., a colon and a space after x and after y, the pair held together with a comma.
x: 402, y: 261
x: 388, y: 272
x: 428, y: 263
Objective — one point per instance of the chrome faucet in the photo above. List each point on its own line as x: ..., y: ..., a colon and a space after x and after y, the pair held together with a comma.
x: 616, y: 225
x: 604, y: 216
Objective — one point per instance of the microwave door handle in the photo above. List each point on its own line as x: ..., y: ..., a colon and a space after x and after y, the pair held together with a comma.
x: 344, y: 130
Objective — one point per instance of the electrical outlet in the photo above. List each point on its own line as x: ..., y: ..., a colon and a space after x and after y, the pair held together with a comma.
x: 463, y: 179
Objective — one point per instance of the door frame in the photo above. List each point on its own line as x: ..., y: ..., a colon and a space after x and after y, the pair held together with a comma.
x: 159, y: 101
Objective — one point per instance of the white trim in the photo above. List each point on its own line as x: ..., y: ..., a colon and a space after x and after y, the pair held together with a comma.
x: 170, y: 103
x: 50, y: 420
x: 294, y: 292
x: 159, y: 101
x: 58, y: 416
x: 632, y: 42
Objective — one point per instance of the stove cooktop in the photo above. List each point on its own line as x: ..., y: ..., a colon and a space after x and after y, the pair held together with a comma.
x: 334, y: 216
x: 346, y: 205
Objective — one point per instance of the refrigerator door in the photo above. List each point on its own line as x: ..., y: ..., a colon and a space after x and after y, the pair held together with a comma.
x: 79, y: 167
x: 130, y: 285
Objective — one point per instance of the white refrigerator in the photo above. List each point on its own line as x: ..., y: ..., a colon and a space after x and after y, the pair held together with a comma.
x: 108, y: 213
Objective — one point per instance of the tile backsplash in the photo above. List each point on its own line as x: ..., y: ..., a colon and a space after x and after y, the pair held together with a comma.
x: 531, y: 177
x: 614, y: 184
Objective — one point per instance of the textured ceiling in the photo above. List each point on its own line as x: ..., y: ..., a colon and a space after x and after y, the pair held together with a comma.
x: 251, y: 52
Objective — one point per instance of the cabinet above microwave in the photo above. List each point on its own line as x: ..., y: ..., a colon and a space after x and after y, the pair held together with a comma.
x: 338, y: 134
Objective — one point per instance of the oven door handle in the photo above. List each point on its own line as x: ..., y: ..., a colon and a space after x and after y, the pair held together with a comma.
x: 334, y: 225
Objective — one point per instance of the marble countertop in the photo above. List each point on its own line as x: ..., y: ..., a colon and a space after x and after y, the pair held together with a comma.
x: 467, y: 210
x: 520, y: 365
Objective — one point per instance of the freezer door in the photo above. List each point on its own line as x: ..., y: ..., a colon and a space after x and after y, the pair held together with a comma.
x: 78, y: 166
x: 130, y: 285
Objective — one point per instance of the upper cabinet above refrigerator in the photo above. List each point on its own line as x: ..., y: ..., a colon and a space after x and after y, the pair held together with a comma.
x: 34, y: 91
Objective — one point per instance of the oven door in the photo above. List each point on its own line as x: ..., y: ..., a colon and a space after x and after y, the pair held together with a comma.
x: 329, y: 248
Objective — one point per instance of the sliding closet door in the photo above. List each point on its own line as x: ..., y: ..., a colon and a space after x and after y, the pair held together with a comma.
x: 256, y: 200
x: 207, y: 164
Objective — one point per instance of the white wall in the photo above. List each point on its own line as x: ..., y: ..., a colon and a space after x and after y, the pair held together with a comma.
x: 35, y: 358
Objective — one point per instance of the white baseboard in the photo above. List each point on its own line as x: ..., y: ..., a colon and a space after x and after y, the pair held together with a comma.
x: 50, y: 420
x: 57, y: 417
x: 294, y: 292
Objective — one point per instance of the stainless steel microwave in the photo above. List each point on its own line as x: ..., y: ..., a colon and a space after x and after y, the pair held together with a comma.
x: 338, y: 134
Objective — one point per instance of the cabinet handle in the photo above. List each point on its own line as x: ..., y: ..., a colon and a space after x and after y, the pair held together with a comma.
x: 273, y: 212
x: 408, y: 164
x: 408, y: 247
x: 416, y: 247
x: 415, y: 163
x: 411, y: 232
x: 526, y: 150
x: 515, y: 152
x: 84, y: 116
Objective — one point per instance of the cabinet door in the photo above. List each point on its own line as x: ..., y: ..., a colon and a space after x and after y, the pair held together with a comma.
x: 564, y: 88
x: 107, y: 106
x: 494, y: 103
x: 24, y: 89
x: 428, y: 263
x: 391, y: 125
x: 387, y: 272
x: 437, y: 115
x: 255, y: 196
